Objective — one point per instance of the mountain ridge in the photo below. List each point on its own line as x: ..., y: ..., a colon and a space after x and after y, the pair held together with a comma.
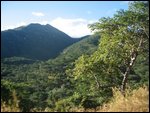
x: 34, y: 41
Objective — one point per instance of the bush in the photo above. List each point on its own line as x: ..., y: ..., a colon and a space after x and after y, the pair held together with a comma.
x: 64, y: 105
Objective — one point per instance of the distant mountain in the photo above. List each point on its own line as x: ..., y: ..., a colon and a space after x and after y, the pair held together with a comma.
x: 35, y: 41
x: 87, y: 45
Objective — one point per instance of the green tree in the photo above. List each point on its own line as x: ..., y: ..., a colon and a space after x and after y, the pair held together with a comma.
x: 124, y: 37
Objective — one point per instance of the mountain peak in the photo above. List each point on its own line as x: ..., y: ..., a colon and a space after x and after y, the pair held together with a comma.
x: 38, y: 24
x: 34, y: 24
x: 34, y: 41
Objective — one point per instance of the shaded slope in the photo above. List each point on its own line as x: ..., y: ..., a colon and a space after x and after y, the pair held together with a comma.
x: 34, y: 41
x: 87, y: 45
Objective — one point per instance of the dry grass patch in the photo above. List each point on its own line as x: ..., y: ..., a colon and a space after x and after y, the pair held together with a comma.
x: 135, y: 101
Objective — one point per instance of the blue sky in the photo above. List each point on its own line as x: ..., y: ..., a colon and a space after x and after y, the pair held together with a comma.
x: 71, y: 17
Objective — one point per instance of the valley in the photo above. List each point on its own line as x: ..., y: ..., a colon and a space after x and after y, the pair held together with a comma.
x: 44, y: 69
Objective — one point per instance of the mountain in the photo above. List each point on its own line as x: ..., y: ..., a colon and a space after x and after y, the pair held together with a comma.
x: 35, y: 41
x: 87, y: 45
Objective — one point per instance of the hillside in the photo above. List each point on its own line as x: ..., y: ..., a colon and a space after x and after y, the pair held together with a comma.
x: 43, y: 69
x: 35, y: 41
x: 87, y: 45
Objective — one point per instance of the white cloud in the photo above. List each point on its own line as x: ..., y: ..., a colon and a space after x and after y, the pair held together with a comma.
x: 7, y: 27
x: 73, y: 27
x: 22, y: 24
x: 13, y: 26
x: 37, y: 14
x: 44, y: 22
x: 76, y: 27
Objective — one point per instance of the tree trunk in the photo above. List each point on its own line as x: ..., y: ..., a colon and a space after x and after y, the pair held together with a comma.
x: 124, y: 81
x: 134, y: 54
x: 98, y: 84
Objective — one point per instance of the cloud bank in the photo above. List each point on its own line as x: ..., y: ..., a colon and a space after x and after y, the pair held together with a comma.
x: 76, y: 27
x: 73, y: 27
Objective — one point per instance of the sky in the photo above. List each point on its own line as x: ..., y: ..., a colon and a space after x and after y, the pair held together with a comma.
x: 71, y: 17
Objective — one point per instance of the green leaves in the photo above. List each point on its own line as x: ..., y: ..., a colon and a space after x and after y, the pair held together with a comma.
x: 62, y: 83
x: 120, y: 36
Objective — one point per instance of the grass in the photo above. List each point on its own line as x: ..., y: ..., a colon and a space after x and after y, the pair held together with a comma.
x: 134, y: 101
x: 12, y: 107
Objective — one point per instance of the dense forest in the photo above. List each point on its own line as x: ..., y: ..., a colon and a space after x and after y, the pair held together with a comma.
x: 94, y: 73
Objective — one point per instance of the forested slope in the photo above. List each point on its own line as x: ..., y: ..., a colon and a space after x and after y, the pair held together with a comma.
x: 84, y: 76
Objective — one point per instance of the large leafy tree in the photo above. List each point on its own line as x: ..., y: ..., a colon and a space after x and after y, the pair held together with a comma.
x: 124, y: 37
